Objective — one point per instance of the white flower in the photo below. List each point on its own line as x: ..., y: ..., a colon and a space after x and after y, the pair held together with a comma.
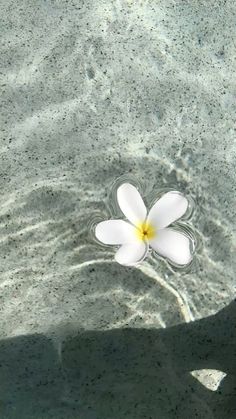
x: 143, y: 229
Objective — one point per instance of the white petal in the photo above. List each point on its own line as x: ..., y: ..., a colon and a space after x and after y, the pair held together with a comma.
x: 173, y: 245
x: 169, y: 208
x: 115, y: 232
x: 130, y: 254
x: 131, y: 203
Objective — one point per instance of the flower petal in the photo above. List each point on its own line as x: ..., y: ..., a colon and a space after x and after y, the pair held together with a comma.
x: 115, y: 232
x: 131, y: 203
x: 131, y: 254
x: 169, y: 208
x: 173, y: 245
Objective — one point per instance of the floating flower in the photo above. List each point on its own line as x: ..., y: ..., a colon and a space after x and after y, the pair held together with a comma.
x: 145, y: 229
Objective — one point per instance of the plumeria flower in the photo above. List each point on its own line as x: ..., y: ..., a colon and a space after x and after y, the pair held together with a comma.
x: 144, y: 229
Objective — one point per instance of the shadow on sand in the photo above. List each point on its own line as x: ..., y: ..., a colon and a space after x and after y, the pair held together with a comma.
x: 122, y: 373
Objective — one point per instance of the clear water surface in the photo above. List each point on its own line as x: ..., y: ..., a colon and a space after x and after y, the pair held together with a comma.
x: 93, y: 91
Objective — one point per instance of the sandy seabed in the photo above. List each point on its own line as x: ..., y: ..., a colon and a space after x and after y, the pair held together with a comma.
x: 91, y: 91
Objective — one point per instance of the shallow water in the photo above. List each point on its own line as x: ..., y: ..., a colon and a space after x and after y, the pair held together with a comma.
x: 93, y: 91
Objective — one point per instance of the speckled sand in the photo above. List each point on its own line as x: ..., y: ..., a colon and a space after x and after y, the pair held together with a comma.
x: 93, y: 90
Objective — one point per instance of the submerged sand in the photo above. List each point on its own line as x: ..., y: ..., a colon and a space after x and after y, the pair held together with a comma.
x: 92, y: 91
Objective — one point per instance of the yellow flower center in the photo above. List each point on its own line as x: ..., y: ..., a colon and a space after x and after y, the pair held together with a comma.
x: 145, y: 231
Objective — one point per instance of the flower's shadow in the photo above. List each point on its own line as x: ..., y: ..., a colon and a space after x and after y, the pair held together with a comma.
x: 122, y: 373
